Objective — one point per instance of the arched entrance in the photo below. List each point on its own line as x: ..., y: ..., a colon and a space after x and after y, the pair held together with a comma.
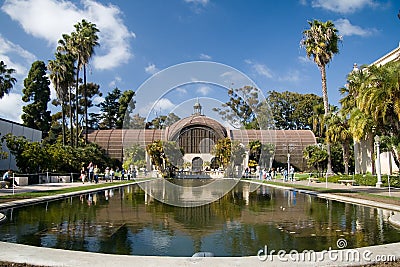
x: 197, y: 164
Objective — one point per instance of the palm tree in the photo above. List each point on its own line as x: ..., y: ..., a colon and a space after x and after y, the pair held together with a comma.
x: 61, y: 75
x: 80, y: 44
x: 89, y: 40
x: 339, y: 132
x: 6, y: 80
x: 381, y: 100
x: 63, y: 48
x: 321, y: 43
x: 55, y: 69
x: 361, y: 125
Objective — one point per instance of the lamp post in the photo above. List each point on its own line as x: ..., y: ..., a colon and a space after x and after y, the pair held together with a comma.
x: 288, y: 163
x: 378, y: 161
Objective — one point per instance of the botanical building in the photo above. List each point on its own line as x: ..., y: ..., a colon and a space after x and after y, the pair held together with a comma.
x: 197, y: 135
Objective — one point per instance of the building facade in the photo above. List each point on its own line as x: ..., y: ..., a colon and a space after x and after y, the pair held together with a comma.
x: 364, y: 149
x: 197, y: 135
x: 15, y: 129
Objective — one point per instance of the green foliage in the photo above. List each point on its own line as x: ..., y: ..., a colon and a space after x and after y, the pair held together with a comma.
x: 32, y: 157
x: 367, y: 179
x: 134, y: 155
x: 222, y: 150
x: 110, y: 110
x: 162, y: 121
x: 246, y: 109
x: 260, y: 154
x: 316, y: 156
x: 7, y: 81
x: 166, y: 156
x: 126, y: 106
x: 294, y: 111
x: 37, y: 91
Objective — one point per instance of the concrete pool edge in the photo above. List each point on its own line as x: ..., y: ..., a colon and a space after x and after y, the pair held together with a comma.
x: 18, y: 253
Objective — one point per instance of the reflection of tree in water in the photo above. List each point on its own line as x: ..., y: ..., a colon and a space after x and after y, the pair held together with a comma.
x: 240, y: 223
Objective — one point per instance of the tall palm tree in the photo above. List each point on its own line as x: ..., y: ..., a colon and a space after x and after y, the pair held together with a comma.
x: 7, y: 81
x: 89, y: 40
x: 321, y: 43
x: 381, y: 100
x: 55, y: 69
x: 81, y: 45
x: 64, y: 48
x: 361, y: 125
x: 61, y: 75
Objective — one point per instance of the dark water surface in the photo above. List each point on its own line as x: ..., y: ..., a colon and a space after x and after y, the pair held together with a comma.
x: 128, y: 221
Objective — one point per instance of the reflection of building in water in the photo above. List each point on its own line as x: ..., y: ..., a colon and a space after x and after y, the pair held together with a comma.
x: 197, y: 135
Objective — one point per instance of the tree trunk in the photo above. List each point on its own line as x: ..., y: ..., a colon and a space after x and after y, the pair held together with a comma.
x: 71, y: 118
x: 63, y: 121
x: 326, y: 109
x: 345, y: 148
x: 395, y: 157
x: 77, y: 104
x: 86, y: 108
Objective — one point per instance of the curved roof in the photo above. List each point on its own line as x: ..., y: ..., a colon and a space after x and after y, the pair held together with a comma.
x: 193, y: 121
x: 286, y: 142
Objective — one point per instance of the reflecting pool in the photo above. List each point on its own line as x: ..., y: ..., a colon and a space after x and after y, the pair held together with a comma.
x: 128, y: 221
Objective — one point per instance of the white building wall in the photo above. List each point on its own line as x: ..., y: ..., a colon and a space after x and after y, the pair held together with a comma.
x: 17, y: 130
x: 363, y: 162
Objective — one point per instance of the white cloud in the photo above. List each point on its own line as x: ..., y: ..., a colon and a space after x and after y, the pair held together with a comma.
x: 49, y: 19
x: 161, y: 106
x: 11, y: 107
x: 151, y: 69
x: 181, y: 90
x: 97, y: 100
x: 304, y: 60
x: 347, y: 29
x: 260, y: 69
x: 198, y: 2
x: 343, y: 6
x: 205, y: 56
x: 291, y: 76
x: 8, y: 49
x: 114, y: 82
x: 204, y: 90
x: 197, y: 5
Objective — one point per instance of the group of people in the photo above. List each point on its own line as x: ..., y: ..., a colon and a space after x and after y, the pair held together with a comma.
x: 264, y: 174
x: 91, y: 173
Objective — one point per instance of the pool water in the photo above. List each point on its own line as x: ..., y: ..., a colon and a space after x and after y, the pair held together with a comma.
x: 128, y: 221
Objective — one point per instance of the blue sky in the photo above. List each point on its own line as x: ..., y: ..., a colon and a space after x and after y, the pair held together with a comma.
x: 260, y: 39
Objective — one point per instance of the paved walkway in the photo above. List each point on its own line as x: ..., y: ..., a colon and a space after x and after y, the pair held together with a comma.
x: 56, y: 257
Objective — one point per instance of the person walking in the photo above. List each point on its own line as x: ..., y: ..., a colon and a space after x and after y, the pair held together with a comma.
x: 96, y: 174
x: 90, y: 169
x: 291, y: 173
x: 83, y: 174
